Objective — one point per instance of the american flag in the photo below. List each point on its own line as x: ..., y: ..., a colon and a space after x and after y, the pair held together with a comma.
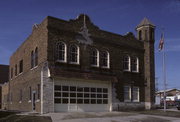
x: 161, y: 42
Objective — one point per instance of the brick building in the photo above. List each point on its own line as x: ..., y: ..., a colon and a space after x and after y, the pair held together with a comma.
x: 4, y: 77
x: 75, y: 66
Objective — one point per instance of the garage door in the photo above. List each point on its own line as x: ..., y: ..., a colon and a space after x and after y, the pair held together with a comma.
x: 81, y: 98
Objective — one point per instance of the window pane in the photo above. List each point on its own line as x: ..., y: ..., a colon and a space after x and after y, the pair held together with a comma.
x: 86, y: 101
x: 86, y: 95
x: 57, y: 100
x: 105, y: 101
x: 105, y: 90
x: 86, y: 89
x: 72, y: 94
x: 105, y: 96
x: 99, y: 95
x: 79, y: 94
x: 72, y: 100
x: 72, y: 88
x: 99, y: 90
x: 80, y: 89
x: 93, y: 95
x: 99, y: 101
x: 93, y: 89
x: 58, y: 88
x: 65, y: 94
x: 79, y: 101
x: 65, y: 88
x: 93, y: 101
x: 57, y: 94
x: 65, y: 100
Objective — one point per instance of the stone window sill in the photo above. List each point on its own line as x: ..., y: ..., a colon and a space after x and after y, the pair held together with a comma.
x: 61, y: 61
x: 34, y: 67
x: 75, y: 63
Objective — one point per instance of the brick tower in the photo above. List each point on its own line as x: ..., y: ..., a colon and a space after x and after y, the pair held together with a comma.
x: 145, y: 33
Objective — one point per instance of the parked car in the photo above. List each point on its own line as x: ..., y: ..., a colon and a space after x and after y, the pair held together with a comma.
x: 178, y: 104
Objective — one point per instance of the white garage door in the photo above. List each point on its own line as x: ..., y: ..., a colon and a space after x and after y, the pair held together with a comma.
x: 81, y: 96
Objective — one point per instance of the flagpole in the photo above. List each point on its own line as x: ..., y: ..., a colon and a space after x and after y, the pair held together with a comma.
x: 164, y: 73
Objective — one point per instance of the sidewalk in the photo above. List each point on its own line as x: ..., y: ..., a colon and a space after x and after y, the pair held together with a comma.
x: 108, y: 117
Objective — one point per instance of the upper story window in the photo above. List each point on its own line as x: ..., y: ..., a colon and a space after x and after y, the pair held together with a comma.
x: 126, y: 63
x: 32, y: 59
x: 36, y: 57
x: 140, y: 35
x: 61, y: 51
x: 20, y: 66
x: 16, y: 70
x: 135, y: 64
x: 95, y: 57
x: 74, y: 54
x: 11, y: 73
x: 105, y: 59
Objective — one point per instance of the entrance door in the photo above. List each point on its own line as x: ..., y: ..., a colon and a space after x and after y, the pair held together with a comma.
x: 33, y: 101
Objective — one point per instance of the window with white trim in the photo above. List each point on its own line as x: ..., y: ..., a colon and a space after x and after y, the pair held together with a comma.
x: 135, y: 94
x: 74, y: 54
x: 105, y: 59
x: 126, y: 63
x: 94, y: 57
x: 80, y: 95
x: 135, y: 64
x: 127, y: 93
x: 61, y: 52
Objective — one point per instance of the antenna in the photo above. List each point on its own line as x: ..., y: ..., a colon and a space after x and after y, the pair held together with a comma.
x: 84, y: 21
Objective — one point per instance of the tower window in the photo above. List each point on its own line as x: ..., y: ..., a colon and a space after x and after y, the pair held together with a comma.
x: 140, y: 35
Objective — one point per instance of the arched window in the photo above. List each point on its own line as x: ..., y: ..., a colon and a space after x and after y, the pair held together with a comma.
x: 94, y: 57
x: 61, y: 51
x: 105, y: 59
x: 126, y: 63
x: 36, y: 56
x: 74, y: 54
x: 135, y: 64
x: 32, y: 59
x: 140, y: 35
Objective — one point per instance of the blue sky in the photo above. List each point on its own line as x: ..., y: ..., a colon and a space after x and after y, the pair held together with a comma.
x: 119, y: 16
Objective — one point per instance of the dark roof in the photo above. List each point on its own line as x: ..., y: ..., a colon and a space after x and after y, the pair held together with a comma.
x: 145, y: 22
x: 4, y: 73
x: 98, y: 35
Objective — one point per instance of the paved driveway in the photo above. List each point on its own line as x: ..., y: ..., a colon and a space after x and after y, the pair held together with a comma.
x: 108, y: 117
